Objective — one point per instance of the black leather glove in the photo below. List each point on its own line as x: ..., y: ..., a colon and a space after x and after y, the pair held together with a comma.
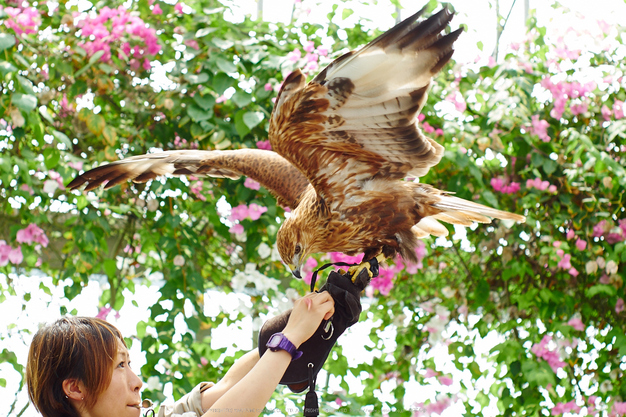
x: 347, y: 297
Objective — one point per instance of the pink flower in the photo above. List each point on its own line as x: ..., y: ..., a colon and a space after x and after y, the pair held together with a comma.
x: 577, y: 324
x: 75, y: 165
x: 427, y: 127
x: 264, y: 144
x: 268, y: 87
x: 196, y: 189
x: 309, y: 47
x: 541, y: 351
x: 294, y: 55
x: 15, y: 256
x: 32, y: 233
x: 618, y: 109
x: 562, y: 408
x: 322, y: 51
x: 178, y: 8
x: 570, y: 234
x: 458, y: 100
x: 239, y: 213
x: 619, y: 306
x: 103, y: 313
x: 430, y: 373
x: 307, y: 269
x: 581, y: 244
x: 619, y: 408
x: 237, y: 229
x: 5, y: 250
x: 157, y: 10
x: 24, y: 21
x: 204, y: 361
x: 573, y: 272
x: 579, y: 108
x: 556, y: 244
x: 445, y: 380
x: 606, y: 112
x: 500, y: 185
x: 255, y: 211
x: 251, y: 184
x: 383, y: 282
x: 540, y: 128
x: 192, y: 43
x: 565, y: 261
x: 600, y: 228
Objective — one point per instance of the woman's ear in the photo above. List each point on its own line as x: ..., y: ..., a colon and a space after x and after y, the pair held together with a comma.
x: 74, y: 389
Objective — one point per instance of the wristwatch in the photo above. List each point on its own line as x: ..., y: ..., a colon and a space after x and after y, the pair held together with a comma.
x: 278, y: 341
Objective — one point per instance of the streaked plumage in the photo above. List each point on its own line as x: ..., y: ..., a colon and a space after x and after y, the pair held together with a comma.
x: 342, y: 145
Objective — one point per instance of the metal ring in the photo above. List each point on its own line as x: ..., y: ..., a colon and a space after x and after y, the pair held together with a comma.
x: 332, y: 330
x: 310, y: 365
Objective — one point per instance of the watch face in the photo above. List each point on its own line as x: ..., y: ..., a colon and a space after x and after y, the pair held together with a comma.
x: 274, y: 341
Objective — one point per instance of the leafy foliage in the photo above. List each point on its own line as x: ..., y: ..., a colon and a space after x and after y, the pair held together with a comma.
x: 541, y: 133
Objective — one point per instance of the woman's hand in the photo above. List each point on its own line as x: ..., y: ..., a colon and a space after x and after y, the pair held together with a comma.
x: 306, y: 316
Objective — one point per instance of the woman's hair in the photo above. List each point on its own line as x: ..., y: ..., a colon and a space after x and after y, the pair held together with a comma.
x: 81, y: 348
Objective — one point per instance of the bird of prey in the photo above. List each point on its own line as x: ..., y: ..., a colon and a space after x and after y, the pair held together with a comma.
x: 342, y: 146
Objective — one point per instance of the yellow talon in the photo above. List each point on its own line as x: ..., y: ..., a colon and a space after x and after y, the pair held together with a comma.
x: 355, y: 271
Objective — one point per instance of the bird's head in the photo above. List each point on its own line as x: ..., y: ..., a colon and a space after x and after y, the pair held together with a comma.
x: 294, y: 245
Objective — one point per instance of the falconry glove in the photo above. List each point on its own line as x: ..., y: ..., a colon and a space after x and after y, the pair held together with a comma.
x: 346, y: 295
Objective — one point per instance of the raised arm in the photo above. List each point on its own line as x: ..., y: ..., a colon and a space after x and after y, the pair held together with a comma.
x: 256, y: 379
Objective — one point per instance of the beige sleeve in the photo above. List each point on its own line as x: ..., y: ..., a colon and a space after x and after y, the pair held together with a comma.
x: 189, y: 405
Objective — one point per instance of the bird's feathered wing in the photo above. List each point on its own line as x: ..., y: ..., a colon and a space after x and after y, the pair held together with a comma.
x: 354, y: 126
x: 357, y: 118
x: 271, y: 170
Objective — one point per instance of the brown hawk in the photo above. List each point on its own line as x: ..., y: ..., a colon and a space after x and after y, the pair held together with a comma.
x: 342, y: 147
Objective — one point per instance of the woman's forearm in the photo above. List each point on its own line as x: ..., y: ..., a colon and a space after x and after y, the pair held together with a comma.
x: 249, y: 396
x: 236, y: 372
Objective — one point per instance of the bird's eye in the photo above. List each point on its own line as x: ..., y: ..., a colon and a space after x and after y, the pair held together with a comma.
x: 298, y: 250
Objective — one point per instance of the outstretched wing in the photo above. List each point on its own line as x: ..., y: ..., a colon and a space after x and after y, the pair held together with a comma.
x: 271, y: 170
x: 357, y: 119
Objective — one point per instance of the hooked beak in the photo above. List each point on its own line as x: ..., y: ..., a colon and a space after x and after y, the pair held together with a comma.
x: 295, y: 271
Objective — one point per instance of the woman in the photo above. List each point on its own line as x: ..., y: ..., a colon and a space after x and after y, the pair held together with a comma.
x: 79, y: 367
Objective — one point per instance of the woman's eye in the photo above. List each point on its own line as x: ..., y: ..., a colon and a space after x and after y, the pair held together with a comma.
x: 121, y: 365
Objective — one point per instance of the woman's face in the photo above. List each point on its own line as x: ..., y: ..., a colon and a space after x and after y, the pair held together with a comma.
x: 121, y: 398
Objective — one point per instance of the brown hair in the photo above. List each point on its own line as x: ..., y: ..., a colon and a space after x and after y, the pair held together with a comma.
x: 81, y: 348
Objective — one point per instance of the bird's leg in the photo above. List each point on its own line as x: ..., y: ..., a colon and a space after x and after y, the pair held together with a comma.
x: 371, y: 265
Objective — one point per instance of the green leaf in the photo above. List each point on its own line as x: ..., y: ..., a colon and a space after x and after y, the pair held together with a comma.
x: 206, y: 102
x: 241, y: 99
x: 200, y: 33
x: 6, y: 68
x: 92, y: 60
x: 197, y: 114
x: 95, y: 123
x: 51, y: 157
x: 27, y: 85
x: 197, y: 78
x: 24, y: 102
x: 253, y: 118
x: 601, y: 289
x: 240, y: 126
x: 43, y: 111
x: 226, y: 66
x: 62, y: 137
x: 6, y: 41
x: 481, y: 293
x: 346, y: 13
x: 221, y: 82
